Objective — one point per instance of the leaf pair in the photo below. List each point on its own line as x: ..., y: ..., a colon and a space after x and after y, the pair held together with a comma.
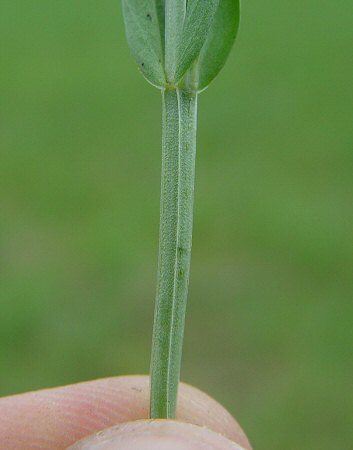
x: 178, y: 42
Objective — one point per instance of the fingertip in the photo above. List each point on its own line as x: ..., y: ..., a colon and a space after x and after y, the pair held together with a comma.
x: 199, y: 408
x: 156, y: 435
x: 56, y: 418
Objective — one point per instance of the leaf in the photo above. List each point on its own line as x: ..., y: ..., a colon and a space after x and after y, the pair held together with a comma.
x: 175, y: 12
x: 198, y: 19
x: 144, y: 24
x: 219, y: 42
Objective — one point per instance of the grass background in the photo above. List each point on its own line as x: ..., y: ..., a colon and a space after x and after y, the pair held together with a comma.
x: 269, y: 325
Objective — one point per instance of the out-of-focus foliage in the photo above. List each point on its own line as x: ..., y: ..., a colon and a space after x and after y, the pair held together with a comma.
x: 271, y: 284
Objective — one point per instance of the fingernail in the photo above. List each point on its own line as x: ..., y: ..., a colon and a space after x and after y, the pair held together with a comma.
x: 156, y: 435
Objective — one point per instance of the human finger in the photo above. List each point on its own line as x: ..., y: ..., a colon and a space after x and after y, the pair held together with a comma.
x: 157, y: 435
x: 53, y: 419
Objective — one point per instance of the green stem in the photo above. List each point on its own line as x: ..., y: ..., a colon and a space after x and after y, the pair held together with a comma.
x: 176, y: 217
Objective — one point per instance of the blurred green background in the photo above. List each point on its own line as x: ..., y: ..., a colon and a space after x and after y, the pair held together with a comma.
x: 269, y: 325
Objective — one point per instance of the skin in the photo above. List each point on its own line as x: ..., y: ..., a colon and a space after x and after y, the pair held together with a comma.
x: 55, y: 419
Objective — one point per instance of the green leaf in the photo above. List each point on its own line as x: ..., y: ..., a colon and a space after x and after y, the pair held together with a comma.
x: 198, y: 19
x: 219, y: 42
x: 175, y: 12
x: 144, y: 24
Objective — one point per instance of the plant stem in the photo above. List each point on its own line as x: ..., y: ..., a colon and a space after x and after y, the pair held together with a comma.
x: 176, y: 217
